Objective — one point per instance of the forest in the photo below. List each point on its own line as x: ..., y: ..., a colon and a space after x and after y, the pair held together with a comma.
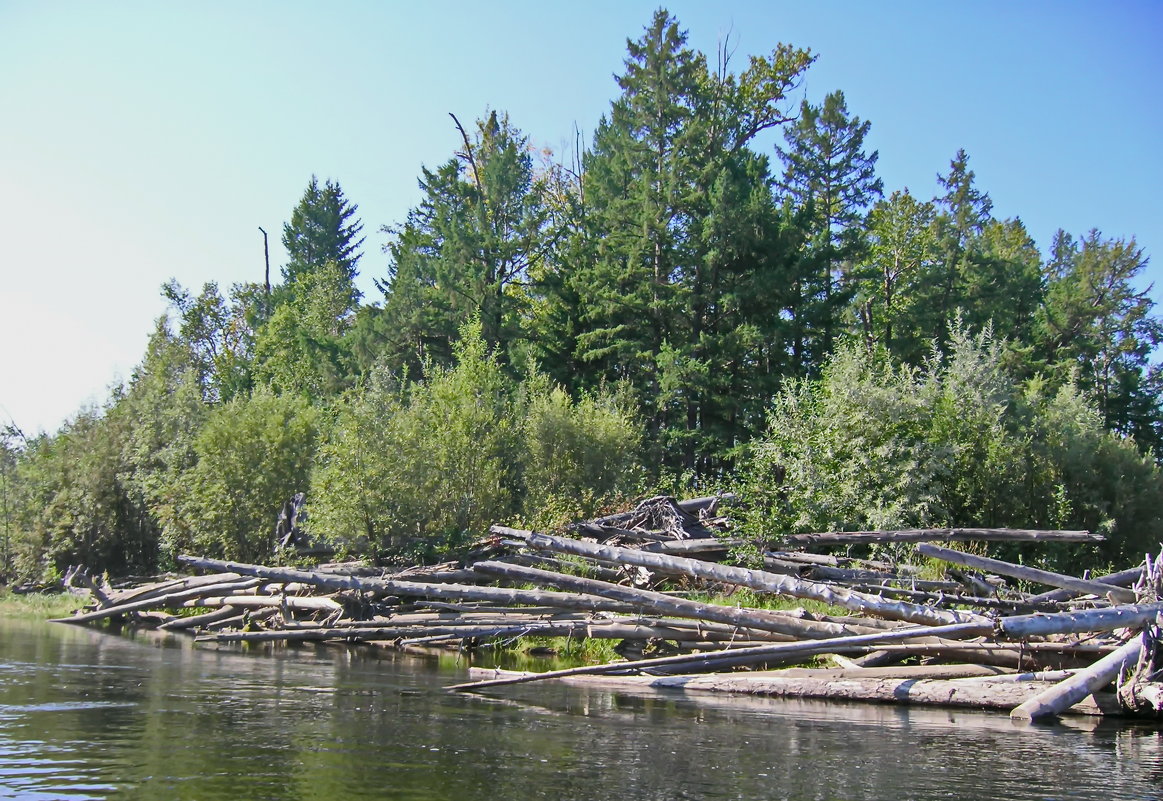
x: 674, y: 308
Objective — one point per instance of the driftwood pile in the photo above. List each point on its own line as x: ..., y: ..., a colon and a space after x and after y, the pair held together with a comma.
x: 969, y: 638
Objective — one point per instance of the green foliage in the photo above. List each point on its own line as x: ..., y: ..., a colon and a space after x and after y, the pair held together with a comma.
x: 302, y: 349
x: 667, y: 260
x: 575, y: 457
x: 958, y: 442
x: 419, y: 468
x: 679, y: 258
x: 74, y: 504
x: 467, y: 251
x: 218, y: 334
x: 252, y: 455
x: 1097, y: 325
x: 321, y: 231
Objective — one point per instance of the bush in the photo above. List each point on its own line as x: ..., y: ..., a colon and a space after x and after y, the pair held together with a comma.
x: 252, y: 455
x: 419, y: 469
x: 956, y: 443
x: 576, y: 458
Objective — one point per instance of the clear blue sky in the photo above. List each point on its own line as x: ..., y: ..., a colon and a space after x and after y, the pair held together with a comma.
x: 144, y: 141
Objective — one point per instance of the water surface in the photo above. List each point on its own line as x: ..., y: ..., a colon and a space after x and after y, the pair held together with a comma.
x: 86, y: 714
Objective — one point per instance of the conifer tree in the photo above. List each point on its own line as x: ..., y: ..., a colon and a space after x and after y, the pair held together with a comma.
x: 323, y: 228
x: 827, y: 170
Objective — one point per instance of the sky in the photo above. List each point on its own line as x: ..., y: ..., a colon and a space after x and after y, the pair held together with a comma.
x: 147, y: 141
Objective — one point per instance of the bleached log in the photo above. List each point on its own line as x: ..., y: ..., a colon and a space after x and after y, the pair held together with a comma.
x: 1026, y: 573
x: 1123, y: 578
x: 172, y: 599
x: 1109, y: 618
x: 159, y: 589
x: 943, y: 535
x: 194, y: 621
x: 760, y: 580
x: 451, y: 592
x: 660, y: 603
x: 1062, y: 696
x: 303, y: 604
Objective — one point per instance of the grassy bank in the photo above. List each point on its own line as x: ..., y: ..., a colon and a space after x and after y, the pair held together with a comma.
x: 36, y: 605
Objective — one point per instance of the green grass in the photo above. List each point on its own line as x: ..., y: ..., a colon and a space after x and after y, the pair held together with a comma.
x: 37, y: 605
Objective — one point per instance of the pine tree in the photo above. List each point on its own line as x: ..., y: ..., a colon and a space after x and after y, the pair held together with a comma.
x: 467, y: 250
x: 827, y: 170
x: 323, y: 228
x: 679, y: 233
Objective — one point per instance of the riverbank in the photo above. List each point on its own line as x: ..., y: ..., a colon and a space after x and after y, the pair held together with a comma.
x: 38, y: 605
x: 643, y: 581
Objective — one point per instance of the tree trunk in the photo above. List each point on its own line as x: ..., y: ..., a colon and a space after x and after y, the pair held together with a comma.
x: 755, y: 579
x: 944, y: 535
x: 1060, y: 697
x: 1027, y: 573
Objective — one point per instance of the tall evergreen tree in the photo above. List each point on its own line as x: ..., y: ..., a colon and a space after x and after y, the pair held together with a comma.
x: 680, y: 232
x: 827, y: 170
x: 323, y: 228
x: 901, y: 256
x: 467, y: 250
x: 1098, y: 323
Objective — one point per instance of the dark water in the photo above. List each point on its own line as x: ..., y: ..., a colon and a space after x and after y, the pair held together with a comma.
x: 87, y: 715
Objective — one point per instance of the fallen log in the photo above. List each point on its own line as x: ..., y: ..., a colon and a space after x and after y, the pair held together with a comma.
x: 159, y: 589
x: 194, y: 621
x: 1090, y: 620
x: 754, y: 655
x: 455, y: 592
x: 930, y: 692
x: 1123, y: 578
x: 943, y: 535
x: 174, y: 598
x: 299, y: 604
x: 760, y: 580
x: 660, y: 603
x: 1026, y: 573
x: 1062, y: 696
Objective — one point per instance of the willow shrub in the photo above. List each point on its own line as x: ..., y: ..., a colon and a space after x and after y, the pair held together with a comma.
x: 252, y: 455
x: 418, y: 469
x: 957, y: 442
x: 576, y: 457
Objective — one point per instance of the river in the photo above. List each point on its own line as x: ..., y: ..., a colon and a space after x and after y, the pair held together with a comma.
x: 87, y: 714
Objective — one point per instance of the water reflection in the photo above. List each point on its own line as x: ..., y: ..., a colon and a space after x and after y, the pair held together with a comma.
x: 85, y: 714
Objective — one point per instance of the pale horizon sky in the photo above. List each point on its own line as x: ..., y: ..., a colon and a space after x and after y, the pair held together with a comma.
x: 143, y: 141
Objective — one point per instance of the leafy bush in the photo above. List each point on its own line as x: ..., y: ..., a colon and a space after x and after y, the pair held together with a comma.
x: 420, y: 468
x: 252, y: 455
x: 576, y: 456
x: 958, y: 442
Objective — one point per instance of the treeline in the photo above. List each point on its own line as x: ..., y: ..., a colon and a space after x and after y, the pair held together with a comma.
x: 672, y: 307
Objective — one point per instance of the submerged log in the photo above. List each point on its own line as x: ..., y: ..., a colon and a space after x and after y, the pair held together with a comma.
x: 760, y: 580
x: 1062, y: 696
x: 970, y: 693
x: 944, y: 535
x: 757, y: 654
x: 1026, y: 573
